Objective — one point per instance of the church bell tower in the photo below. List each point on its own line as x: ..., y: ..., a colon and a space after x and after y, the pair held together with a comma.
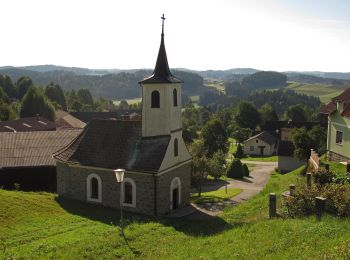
x: 161, y: 98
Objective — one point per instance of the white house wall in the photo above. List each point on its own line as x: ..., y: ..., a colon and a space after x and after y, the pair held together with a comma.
x: 268, y: 150
x: 169, y: 158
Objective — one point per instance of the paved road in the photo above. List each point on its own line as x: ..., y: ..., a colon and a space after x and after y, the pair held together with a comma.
x: 251, y: 186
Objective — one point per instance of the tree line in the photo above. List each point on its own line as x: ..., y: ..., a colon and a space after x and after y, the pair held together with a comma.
x: 23, y: 98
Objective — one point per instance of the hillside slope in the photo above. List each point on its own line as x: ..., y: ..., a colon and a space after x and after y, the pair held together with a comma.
x: 38, y: 225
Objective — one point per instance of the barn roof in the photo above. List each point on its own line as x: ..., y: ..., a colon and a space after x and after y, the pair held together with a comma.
x: 29, y: 149
x: 27, y: 124
x: 116, y: 144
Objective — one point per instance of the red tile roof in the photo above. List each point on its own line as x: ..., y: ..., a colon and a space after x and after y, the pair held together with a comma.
x: 346, y: 111
x: 328, y: 109
x: 345, y: 96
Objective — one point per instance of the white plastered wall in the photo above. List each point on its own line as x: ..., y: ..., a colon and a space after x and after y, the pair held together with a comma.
x: 169, y: 159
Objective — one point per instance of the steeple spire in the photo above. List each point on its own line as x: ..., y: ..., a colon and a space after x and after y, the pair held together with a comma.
x: 161, y: 72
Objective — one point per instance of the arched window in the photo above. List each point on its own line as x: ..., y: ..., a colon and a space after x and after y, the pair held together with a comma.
x: 155, y: 99
x: 176, y: 147
x: 175, y: 193
x: 94, y: 188
x: 175, y: 97
x: 129, y: 192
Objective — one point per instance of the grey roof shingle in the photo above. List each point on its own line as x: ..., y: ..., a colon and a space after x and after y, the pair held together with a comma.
x: 264, y: 136
x: 115, y: 144
x: 28, y: 149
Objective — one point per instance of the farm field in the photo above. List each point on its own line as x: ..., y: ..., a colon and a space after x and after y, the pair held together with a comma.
x: 130, y: 101
x: 323, y: 91
x: 40, y: 225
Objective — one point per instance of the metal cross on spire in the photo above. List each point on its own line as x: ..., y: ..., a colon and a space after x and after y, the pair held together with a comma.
x: 163, y: 19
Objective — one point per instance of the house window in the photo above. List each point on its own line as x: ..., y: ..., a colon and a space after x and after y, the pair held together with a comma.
x: 155, y: 99
x: 129, y: 192
x: 94, y: 188
x: 339, y: 137
x: 251, y: 148
x: 175, y: 97
x: 257, y: 141
x: 176, y: 147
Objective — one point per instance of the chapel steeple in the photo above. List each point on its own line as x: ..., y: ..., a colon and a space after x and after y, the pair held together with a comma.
x: 161, y: 72
x: 161, y: 99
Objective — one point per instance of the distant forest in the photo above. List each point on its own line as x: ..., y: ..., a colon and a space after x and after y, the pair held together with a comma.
x: 121, y: 85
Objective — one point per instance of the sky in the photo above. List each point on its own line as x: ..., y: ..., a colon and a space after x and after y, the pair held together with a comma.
x: 281, y: 35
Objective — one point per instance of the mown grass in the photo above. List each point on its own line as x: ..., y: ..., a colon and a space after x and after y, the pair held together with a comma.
x: 34, y: 225
x: 323, y: 91
x: 215, y: 196
x: 261, y: 159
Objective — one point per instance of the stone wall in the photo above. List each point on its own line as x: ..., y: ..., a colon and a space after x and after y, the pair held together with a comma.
x: 288, y: 163
x: 337, y: 157
x: 164, y: 182
x: 72, y: 183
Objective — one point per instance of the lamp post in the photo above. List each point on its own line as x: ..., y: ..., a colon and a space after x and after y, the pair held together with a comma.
x: 119, y: 175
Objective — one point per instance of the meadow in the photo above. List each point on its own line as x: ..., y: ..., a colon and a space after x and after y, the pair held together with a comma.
x: 41, y: 225
x: 323, y: 91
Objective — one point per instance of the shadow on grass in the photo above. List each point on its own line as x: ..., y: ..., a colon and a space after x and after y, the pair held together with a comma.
x: 208, y: 225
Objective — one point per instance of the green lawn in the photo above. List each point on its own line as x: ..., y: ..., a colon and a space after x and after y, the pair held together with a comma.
x: 39, y: 225
x: 323, y: 91
x: 215, y: 196
x: 261, y: 159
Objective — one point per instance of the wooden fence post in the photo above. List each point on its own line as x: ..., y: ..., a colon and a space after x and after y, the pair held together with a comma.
x: 308, y: 180
x: 291, y: 190
x: 320, y: 206
x: 326, y: 167
x: 272, y: 205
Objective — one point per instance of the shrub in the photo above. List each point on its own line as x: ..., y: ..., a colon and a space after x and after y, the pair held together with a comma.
x: 235, y: 170
x: 245, y: 170
x: 322, y: 176
x: 303, y: 201
x: 342, y: 178
x: 338, y: 199
x: 239, y: 153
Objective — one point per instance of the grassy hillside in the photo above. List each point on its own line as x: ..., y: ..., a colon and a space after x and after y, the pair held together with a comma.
x: 38, y: 225
x: 323, y: 91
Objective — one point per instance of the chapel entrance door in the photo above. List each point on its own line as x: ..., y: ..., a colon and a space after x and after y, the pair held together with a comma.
x: 175, y: 198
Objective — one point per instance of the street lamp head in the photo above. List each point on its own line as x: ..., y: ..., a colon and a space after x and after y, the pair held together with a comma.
x: 119, y: 174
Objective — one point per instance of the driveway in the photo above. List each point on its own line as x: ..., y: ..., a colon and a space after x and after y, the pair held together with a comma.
x: 251, y: 186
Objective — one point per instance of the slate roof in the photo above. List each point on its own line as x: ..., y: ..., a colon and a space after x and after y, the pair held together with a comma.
x: 285, y: 148
x: 161, y: 73
x: 328, y: 109
x: 29, y: 149
x: 27, y: 124
x: 116, y: 144
x: 264, y: 136
x: 344, y: 96
x: 87, y: 117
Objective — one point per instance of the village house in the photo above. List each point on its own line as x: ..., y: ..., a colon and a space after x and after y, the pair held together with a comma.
x: 338, y: 133
x: 151, y: 150
x: 262, y: 144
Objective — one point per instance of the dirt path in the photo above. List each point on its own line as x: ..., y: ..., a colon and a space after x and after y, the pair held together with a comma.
x: 251, y: 186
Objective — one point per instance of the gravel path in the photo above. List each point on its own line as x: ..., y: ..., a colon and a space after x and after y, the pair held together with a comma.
x: 251, y: 186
